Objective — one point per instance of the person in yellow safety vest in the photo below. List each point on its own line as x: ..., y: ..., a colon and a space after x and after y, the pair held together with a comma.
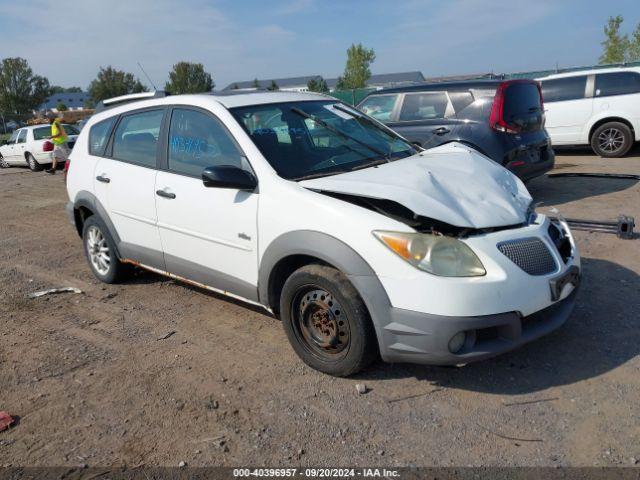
x: 60, y: 148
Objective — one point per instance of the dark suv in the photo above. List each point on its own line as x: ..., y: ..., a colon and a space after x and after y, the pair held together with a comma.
x: 502, y: 119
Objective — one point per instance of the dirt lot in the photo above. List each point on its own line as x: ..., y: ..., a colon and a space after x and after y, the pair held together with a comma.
x: 93, y: 384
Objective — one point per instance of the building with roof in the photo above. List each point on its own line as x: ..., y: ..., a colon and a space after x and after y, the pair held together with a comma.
x: 299, y: 84
x: 72, y: 100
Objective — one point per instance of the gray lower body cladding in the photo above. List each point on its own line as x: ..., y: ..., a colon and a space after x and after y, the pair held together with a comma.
x: 416, y: 337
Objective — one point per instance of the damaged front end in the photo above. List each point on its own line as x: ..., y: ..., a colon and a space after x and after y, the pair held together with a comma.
x: 419, y: 223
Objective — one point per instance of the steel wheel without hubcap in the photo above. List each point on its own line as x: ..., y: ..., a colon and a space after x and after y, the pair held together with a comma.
x: 611, y: 140
x: 98, y: 250
x: 321, y: 324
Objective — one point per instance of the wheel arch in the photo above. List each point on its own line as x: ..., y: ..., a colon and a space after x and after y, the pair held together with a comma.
x: 293, y: 250
x: 86, y: 205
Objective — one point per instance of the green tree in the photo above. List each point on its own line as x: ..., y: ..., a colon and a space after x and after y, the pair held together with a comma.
x: 61, y: 107
x: 113, y: 83
x: 318, y: 85
x: 187, y: 77
x: 633, y: 55
x: 357, y: 70
x: 615, y: 45
x: 20, y: 90
x: 55, y: 89
x: 235, y: 87
x: 256, y: 83
x: 273, y: 86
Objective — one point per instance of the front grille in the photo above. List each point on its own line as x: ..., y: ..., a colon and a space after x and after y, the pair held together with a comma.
x: 530, y: 254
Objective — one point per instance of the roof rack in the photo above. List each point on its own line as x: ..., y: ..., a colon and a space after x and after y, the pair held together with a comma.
x: 132, y: 97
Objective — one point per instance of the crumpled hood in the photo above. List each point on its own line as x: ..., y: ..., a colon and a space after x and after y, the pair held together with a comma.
x: 451, y: 183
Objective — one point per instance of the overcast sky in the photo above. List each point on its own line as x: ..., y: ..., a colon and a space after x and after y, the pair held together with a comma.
x: 242, y: 39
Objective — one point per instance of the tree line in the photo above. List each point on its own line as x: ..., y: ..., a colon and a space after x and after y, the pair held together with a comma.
x: 22, y: 91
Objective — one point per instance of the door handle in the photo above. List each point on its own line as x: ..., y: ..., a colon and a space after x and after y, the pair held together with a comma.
x: 103, y: 179
x: 440, y: 131
x: 164, y: 194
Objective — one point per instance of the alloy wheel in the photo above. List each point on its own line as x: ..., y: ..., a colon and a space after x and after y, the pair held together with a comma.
x: 611, y: 140
x: 98, y: 250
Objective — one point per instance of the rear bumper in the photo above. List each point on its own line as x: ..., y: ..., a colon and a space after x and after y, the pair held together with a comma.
x: 416, y: 337
x: 525, y: 169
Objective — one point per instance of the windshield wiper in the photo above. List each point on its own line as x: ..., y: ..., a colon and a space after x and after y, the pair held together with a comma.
x: 360, y: 116
x: 304, y: 114
x: 319, y: 175
x: 367, y: 165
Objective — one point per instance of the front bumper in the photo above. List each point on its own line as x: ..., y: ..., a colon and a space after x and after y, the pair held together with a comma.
x: 416, y: 337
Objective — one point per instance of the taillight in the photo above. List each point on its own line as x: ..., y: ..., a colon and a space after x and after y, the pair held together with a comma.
x: 496, y: 120
x: 47, y: 146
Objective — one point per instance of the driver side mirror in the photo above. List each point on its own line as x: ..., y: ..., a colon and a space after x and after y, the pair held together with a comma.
x: 229, y: 176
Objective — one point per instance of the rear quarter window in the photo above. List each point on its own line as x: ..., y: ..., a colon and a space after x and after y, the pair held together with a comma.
x: 379, y: 107
x: 460, y: 100
x: 617, y: 83
x: 42, y: 133
x: 99, y: 136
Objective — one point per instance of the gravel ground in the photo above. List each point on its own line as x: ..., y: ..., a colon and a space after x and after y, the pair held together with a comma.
x: 93, y: 383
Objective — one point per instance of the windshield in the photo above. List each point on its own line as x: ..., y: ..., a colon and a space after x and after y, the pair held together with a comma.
x: 309, y: 139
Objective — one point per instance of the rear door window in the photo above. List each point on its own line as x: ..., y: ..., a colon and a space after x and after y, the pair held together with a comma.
x: 380, y: 107
x: 425, y: 106
x: 563, y: 89
x: 617, y: 83
x: 197, y: 141
x: 136, y: 138
x: 99, y: 136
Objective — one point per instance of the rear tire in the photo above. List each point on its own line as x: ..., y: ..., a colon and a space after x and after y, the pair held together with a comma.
x: 33, y: 163
x: 327, y: 322
x: 612, y: 140
x: 99, y: 248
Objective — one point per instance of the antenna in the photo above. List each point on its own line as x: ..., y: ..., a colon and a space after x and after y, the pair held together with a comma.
x: 148, y: 78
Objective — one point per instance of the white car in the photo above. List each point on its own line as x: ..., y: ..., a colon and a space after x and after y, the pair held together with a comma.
x: 360, y: 242
x: 31, y: 146
x: 598, y: 107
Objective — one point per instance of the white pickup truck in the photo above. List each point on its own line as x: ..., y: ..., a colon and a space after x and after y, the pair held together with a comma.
x: 31, y: 146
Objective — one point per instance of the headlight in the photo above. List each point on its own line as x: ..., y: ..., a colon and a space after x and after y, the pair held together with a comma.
x: 443, y: 256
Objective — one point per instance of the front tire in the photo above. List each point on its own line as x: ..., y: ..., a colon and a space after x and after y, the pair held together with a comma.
x: 100, y: 251
x: 612, y: 140
x: 327, y: 322
x: 33, y: 163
